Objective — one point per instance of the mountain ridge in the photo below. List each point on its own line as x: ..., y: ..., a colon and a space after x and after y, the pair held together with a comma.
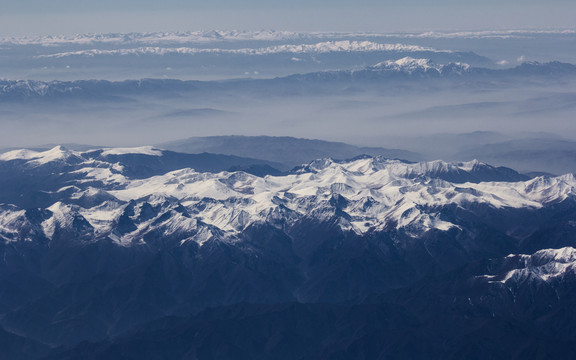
x: 401, y: 70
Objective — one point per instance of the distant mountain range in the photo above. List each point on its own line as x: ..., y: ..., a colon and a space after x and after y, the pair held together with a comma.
x: 529, y: 152
x: 317, y: 48
x: 556, y: 156
x: 386, y: 75
x: 209, y: 54
x: 199, y: 37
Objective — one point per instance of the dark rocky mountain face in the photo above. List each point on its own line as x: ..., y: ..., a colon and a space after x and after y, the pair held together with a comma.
x: 114, y: 256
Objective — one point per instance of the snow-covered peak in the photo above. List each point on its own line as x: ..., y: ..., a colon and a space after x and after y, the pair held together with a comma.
x: 21, y: 154
x: 62, y: 216
x: 407, y: 64
x: 550, y: 189
x: 56, y: 154
x: 470, y: 165
x: 12, y: 221
x: 544, y: 265
x: 410, y: 65
x: 564, y: 255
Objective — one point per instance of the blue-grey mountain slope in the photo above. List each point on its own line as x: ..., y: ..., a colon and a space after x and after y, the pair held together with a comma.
x: 286, y: 150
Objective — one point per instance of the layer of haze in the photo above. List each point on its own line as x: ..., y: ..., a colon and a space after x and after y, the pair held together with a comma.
x: 365, y: 118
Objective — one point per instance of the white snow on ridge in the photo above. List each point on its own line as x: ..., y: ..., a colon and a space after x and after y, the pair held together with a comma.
x: 154, y: 37
x: 55, y: 154
x: 58, y: 153
x: 12, y: 221
x: 22, y: 154
x: 145, y: 150
x: 63, y: 217
x: 409, y: 64
x: 544, y: 265
x: 318, y: 48
x: 34, y: 87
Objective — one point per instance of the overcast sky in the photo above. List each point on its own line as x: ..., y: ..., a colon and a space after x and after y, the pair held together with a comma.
x: 38, y: 17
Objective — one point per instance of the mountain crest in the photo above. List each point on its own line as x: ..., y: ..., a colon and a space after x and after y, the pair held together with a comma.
x: 411, y: 65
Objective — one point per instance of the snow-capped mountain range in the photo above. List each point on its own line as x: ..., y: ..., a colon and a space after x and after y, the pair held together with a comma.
x: 364, y: 195
x: 318, y: 48
x: 262, y: 35
x: 157, y: 37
